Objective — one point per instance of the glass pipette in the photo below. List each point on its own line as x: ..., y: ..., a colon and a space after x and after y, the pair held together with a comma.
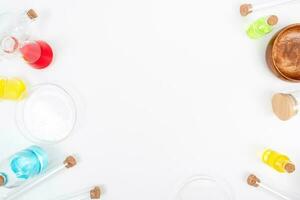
x: 68, y: 163
x: 255, y: 182
x: 85, y: 194
x: 247, y: 8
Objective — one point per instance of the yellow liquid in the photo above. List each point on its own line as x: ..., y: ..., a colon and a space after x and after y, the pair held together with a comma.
x: 12, y: 89
x: 275, y: 160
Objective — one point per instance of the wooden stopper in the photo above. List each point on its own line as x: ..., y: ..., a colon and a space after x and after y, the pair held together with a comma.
x: 284, y: 106
x: 253, y: 180
x: 2, y: 181
x: 32, y: 14
x: 272, y: 20
x: 95, y: 193
x: 70, y: 161
x: 289, y: 167
x: 245, y: 9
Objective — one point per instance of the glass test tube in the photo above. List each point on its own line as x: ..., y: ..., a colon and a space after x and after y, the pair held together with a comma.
x: 254, y: 181
x: 69, y: 162
x: 85, y: 194
x: 286, y: 105
x: 248, y: 8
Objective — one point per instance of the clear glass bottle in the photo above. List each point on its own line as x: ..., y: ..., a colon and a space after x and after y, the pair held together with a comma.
x: 262, y: 27
x: 22, y: 166
x: 12, y: 89
x: 13, y: 28
x: 278, y: 161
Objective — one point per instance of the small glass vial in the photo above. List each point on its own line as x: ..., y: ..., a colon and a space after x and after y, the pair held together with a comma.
x: 285, y: 105
x: 262, y: 27
x: 12, y: 89
x: 22, y: 166
x: 277, y: 161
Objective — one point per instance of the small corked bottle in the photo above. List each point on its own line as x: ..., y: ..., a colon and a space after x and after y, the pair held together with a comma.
x: 285, y: 105
x: 12, y: 89
x: 277, y: 161
x: 262, y: 27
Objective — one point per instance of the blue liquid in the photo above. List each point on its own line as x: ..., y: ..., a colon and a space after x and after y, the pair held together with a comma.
x: 29, y: 162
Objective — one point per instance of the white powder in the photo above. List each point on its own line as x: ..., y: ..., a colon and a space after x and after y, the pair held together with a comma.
x: 49, y: 114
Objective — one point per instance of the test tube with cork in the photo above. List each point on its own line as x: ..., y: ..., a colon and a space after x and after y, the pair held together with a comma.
x: 247, y: 8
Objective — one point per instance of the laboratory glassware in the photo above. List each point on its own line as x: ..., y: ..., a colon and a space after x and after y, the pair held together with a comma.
x: 14, y: 27
x: 262, y: 26
x: 278, y: 161
x: 12, y: 89
x: 204, y: 187
x: 254, y: 181
x: 23, y: 166
x: 68, y: 163
x: 85, y: 194
x: 247, y: 8
x: 47, y: 115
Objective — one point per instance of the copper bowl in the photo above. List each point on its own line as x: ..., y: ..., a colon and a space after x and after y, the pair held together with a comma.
x: 283, y: 53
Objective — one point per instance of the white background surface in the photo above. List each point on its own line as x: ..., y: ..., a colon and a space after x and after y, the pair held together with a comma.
x: 166, y: 89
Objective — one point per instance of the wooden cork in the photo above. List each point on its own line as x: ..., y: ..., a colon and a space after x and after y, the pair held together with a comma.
x: 2, y: 181
x: 289, y: 167
x: 284, y: 106
x: 95, y: 193
x: 245, y: 9
x: 32, y: 14
x: 272, y: 20
x: 70, y: 161
x: 253, y: 181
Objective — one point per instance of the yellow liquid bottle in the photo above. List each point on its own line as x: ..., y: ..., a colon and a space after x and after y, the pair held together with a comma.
x: 12, y: 89
x: 277, y: 161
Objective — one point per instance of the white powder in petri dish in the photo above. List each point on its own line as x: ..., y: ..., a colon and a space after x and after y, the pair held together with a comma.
x: 48, y: 114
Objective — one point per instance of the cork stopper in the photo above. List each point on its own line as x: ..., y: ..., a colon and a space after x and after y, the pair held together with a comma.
x: 284, y: 106
x: 70, y: 161
x: 253, y: 181
x: 289, y: 167
x: 32, y: 14
x: 245, y: 9
x: 95, y: 193
x: 272, y: 20
x: 2, y: 181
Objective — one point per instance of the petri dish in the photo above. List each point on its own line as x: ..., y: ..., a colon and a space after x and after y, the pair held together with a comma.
x: 47, y: 115
x: 204, y: 187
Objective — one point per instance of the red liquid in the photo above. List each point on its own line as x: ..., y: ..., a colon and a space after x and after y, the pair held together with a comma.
x: 38, y: 54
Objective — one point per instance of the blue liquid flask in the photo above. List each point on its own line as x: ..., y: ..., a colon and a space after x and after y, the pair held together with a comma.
x: 22, y: 166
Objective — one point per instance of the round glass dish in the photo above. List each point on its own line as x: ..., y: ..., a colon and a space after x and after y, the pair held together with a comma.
x: 204, y: 187
x: 47, y: 115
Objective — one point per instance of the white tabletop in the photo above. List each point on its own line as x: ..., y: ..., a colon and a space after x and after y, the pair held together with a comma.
x: 166, y: 89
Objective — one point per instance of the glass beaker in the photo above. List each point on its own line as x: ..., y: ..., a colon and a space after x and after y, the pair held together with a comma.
x: 203, y: 187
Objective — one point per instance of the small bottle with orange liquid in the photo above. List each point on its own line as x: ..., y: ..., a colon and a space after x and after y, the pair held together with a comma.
x: 12, y: 89
x: 277, y: 161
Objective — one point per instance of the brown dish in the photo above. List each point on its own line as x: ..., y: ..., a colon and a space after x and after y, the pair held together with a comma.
x: 283, y: 53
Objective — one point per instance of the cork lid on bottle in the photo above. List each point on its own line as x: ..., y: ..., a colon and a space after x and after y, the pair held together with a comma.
x: 284, y: 106
x: 95, y: 193
x: 289, y: 167
x: 272, y: 20
x: 32, y: 14
x: 70, y: 162
x: 2, y: 180
x: 253, y: 180
x: 245, y: 9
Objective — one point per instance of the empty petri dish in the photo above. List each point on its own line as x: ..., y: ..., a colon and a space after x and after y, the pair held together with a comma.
x: 47, y: 115
x: 204, y: 187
